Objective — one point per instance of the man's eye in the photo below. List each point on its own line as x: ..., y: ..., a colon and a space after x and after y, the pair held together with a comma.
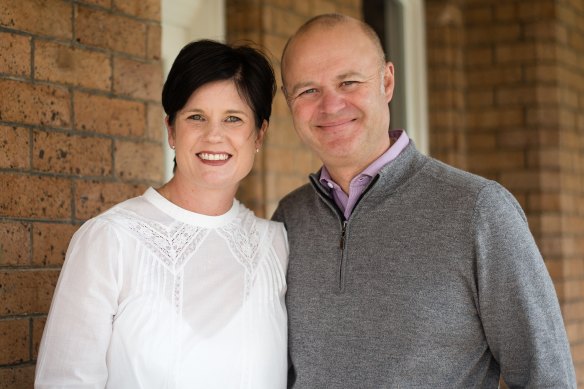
x: 347, y: 83
x: 307, y: 92
x: 232, y: 119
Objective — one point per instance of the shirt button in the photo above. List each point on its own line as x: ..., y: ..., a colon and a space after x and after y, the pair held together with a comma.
x: 330, y: 185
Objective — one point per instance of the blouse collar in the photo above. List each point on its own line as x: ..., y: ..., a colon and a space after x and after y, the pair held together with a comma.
x: 189, y: 217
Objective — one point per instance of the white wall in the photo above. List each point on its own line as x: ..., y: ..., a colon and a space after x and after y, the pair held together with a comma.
x: 182, y: 22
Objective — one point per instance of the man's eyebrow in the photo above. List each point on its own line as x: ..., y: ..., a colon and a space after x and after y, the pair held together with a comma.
x: 346, y: 75
x: 301, y: 85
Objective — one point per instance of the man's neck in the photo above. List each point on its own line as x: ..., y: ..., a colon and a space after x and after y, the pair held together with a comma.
x: 344, y: 174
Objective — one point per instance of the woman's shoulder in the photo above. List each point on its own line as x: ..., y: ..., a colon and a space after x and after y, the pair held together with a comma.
x: 251, y: 218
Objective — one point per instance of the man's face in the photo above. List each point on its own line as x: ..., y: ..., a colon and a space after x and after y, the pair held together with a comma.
x: 338, y: 88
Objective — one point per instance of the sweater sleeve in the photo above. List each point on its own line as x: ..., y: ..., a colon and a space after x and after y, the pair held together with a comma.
x: 516, y: 298
x: 79, y: 325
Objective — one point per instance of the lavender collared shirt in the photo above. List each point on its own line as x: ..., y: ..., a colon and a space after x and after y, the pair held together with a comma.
x: 345, y: 202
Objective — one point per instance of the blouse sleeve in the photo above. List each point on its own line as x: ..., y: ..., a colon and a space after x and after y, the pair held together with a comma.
x: 79, y: 325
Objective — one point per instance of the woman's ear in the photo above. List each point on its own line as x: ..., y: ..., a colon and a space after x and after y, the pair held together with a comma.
x: 170, y: 132
x: 261, y: 134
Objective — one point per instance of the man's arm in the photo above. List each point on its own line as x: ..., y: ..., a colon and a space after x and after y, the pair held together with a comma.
x: 517, y: 301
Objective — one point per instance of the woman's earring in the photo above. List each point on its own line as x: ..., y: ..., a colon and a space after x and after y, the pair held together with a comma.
x: 172, y: 147
x: 257, y: 150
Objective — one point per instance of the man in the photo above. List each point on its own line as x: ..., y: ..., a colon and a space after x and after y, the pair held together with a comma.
x: 404, y: 272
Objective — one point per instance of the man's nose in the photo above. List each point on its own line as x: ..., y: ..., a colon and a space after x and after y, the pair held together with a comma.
x: 331, y: 101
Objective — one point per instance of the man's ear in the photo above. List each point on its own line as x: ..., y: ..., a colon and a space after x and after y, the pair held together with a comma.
x: 388, y: 80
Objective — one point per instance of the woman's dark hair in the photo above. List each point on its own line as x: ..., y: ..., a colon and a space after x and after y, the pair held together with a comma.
x: 205, y: 61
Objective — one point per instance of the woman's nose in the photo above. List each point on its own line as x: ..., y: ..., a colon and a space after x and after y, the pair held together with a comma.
x: 214, y: 132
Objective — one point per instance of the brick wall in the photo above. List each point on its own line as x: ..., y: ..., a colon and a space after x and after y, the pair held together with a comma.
x: 284, y: 162
x: 506, y: 98
x: 80, y: 130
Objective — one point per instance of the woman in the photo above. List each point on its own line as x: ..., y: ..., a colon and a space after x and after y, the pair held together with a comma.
x: 183, y: 286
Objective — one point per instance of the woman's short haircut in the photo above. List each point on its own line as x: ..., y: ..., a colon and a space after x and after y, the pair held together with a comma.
x: 204, y: 61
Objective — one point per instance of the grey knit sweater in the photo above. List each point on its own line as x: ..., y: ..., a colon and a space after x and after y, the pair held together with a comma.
x: 434, y: 281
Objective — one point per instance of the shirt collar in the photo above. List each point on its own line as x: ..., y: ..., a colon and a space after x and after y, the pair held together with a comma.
x: 399, y: 139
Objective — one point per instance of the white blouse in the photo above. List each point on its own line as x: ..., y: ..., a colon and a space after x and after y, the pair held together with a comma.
x: 154, y: 296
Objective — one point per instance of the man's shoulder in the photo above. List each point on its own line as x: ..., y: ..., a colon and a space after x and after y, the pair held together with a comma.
x: 294, y: 203
x: 456, y: 178
x: 298, y: 195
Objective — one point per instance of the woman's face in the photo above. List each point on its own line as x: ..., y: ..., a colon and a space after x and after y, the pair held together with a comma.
x: 215, y: 137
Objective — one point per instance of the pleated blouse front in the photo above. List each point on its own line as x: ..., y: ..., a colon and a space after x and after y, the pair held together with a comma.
x: 154, y: 296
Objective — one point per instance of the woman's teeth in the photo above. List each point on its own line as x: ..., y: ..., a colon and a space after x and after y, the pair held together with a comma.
x: 213, y: 157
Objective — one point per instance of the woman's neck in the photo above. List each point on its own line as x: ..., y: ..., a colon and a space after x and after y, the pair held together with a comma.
x: 210, y: 202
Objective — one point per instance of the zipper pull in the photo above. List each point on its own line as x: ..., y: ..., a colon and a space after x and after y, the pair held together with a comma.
x: 342, y: 245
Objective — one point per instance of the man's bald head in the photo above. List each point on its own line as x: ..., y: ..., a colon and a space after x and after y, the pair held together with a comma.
x: 327, y: 21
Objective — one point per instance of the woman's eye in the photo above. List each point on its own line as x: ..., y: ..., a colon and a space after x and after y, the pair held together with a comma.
x: 196, y: 117
x: 232, y: 119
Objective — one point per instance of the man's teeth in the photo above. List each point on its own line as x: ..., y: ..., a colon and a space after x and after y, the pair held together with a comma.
x: 213, y: 157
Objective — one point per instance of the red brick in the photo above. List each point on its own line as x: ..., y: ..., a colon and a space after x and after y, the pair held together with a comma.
x: 284, y: 23
x: 38, y: 326
x: 573, y: 310
x: 479, y: 98
x: 479, y: 56
x: 93, y: 198
x: 15, y: 58
x: 14, y: 244
x: 26, y: 292
x: 146, y: 9
x: 35, y: 197
x: 543, y: 117
x: 72, y: 65
x: 494, y: 76
x: 446, y: 78
x: 536, y: 10
x: 14, y: 341
x: 530, y: 180
x: 544, y: 202
x: 114, y: 117
x: 34, y: 104
x: 496, y: 160
x: 532, y: 137
x: 110, y: 31
x: 156, y: 129
x: 492, y: 33
x: 515, y: 53
x: 101, y: 3
x: 139, y: 161
x: 70, y: 154
x: 17, y: 377
x: 153, y: 42
x: 548, y: 30
x: 495, y: 118
x: 142, y: 80
x: 50, y: 242
x: 506, y: 12
x: 281, y: 159
x: 44, y: 17
x: 481, y: 141
x: 14, y: 147
x: 564, y: 55
x: 517, y: 95
x: 478, y: 15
